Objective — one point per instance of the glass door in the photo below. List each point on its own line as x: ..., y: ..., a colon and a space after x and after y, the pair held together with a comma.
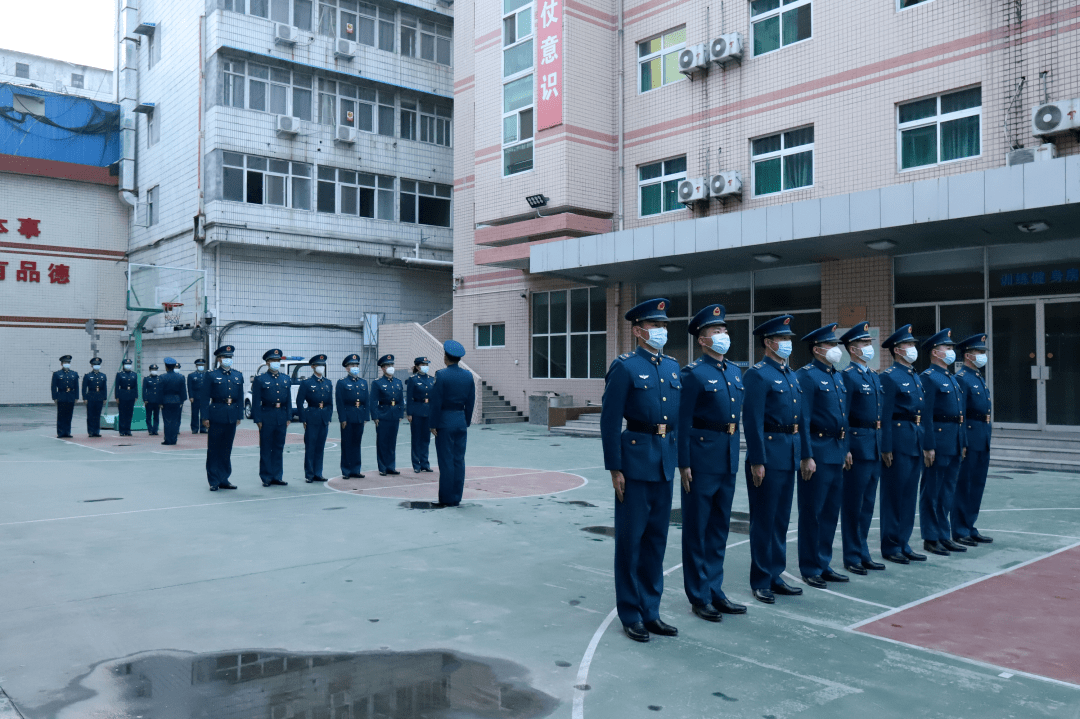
x: 1014, y: 353
x: 1061, y: 366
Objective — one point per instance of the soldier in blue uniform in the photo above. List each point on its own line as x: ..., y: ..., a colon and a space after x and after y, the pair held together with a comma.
x: 710, y: 405
x: 945, y: 442
x: 195, y: 382
x: 825, y: 410
x: 418, y: 410
x: 65, y: 392
x: 865, y: 400
x: 351, y: 394
x: 902, y: 447
x: 387, y: 402
x: 775, y: 439
x: 642, y: 387
x: 151, y: 394
x: 271, y: 410
x: 315, y: 401
x: 126, y: 387
x: 173, y: 396
x: 95, y: 390
x: 453, y: 397
x: 221, y: 405
x: 972, y: 480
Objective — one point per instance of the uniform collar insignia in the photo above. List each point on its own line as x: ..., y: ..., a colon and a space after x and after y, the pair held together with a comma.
x: 713, y: 381
x: 778, y: 381
x: 906, y: 384
x: 643, y: 376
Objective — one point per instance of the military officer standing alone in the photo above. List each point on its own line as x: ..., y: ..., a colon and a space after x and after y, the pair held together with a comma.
x: 315, y: 400
x: 387, y: 409
x: 775, y: 437
x: 65, y: 392
x: 972, y: 480
x: 173, y: 396
x: 865, y: 399
x: 195, y: 382
x: 271, y: 409
x: 351, y: 394
x: 902, y: 452
x: 418, y: 410
x: 95, y: 390
x: 453, y: 398
x: 126, y: 387
x: 642, y: 387
x: 221, y: 406
x: 710, y: 405
x: 151, y: 392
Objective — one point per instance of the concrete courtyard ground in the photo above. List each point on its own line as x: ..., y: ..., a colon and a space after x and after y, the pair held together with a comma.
x: 129, y: 590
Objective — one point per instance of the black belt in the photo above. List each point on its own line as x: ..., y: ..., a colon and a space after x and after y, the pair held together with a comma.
x: 271, y: 405
x: 831, y: 434
x: 979, y: 418
x: 313, y: 405
x: 453, y: 408
x: 955, y: 419
x: 721, y: 427
x: 391, y: 403
x: 632, y: 425
x: 862, y: 424
x: 782, y: 428
x: 917, y: 419
x: 228, y: 400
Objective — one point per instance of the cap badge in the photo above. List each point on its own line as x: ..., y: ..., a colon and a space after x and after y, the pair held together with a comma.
x: 661, y: 305
x: 787, y: 320
x: 865, y: 327
x: 716, y: 311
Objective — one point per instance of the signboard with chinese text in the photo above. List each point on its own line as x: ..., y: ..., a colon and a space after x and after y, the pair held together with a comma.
x: 549, y: 64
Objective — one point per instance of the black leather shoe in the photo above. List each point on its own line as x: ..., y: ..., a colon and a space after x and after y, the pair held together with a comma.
x: 764, y: 596
x: 966, y: 541
x: 896, y: 558
x: 855, y: 569
x: 266, y: 484
x: 726, y: 606
x: 226, y: 485
x: 355, y: 476
x: 832, y: 576
x: 914, y: 556
x: 382, y: 474
x: 877, y: 566
x: 318, y: 479
x: 392, y: 471
x: 952, y: 546
x: 213, y: 489
x: 429, y: 469
x: 636, y: 631
x: 816, y: 582
x: 981, y: 538
x: 935, y: 548
x: 657, y: 626
x: 309, y: 481
x: 278, y: 482
x: 783, y: 588
x: 707, y: 613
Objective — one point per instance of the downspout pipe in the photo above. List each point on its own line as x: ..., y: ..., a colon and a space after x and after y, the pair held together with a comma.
x: 127, y: 95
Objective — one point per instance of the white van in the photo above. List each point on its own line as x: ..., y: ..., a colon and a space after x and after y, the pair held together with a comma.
x: 297, y: 368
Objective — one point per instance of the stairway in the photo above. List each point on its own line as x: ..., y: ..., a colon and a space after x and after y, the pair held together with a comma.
x: 1023, y: 449
x: 495, y: 409
x: 588, y: 425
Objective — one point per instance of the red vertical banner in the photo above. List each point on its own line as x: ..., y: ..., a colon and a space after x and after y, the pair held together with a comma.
x: 549, y: 64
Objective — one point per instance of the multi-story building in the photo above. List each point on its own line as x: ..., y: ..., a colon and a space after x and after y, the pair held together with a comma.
x: 45, y: 73
x: 889, y: 160
x: 299, y: 153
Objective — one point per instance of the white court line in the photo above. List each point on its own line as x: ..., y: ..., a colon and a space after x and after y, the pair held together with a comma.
x: 838, y: 594
x: 1035, y: 534
x: 76, y: 444
x: 1030, y: 509
x: 360, y: 492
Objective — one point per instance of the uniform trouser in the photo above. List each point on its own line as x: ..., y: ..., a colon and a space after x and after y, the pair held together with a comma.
x: 351, y: 434
x: 706, y: 511
x: 420, y: 428
x: 315, y: 432
x: 860, y: 488
x: 899, y: 495
x: 126, y: 408
x: 969, y: 493
x: 272, y: 443
x: 450, y: 448
x: 196, y: 420
x: 641, y: 528
x: 170, y: 417
x: 153, y: 410
x: 820, y: 498
x: 64, y: 411
x: 219, y: 442
x: 93, y: 416
x: 770, y: 514
x: 386, y: 444
x: 936, y: 497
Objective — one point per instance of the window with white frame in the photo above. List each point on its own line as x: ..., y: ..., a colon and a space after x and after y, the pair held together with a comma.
x: 517, y: 37
x: 153, y: 49
x: 77, y: 80
x: 569, y: 334
x: 234, y: 5
x: 22, y: 70
x: 425, y: 203
x: 270, y: 89
x: 360, y: 22
x: 784, y: 161
x: 345, y: 104
x: 658, y: 186
x: 288, y: 12
x: 779, y: 23
x: 386, y: 29
x: 360, y: 194
x: 940, y: 129
x: 901, y: 4
x: 262, y: 181
x: 491, y: 335
x: 152, y: 208
x: 518, y: 125
x: 435, y: 123
x: 407, y: 118
x: 386, y: 113
x: 153, y: 127
x: 233, y: 83
x: 658, y: 59
x: 425, y: 39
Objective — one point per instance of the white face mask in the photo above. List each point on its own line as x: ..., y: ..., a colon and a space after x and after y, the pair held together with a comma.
x: 721, y: 343
x: 95, y: 367
x: 911, y: 354
x: 66, y: 365
x: 127, y: 366
x: 389, y: 371
x: 200, y: 367
x: 424, y: 369
x: 950, y: 356
x: 783, y: 348
x: 657, y: 338
x: 319, y: 369
x: 833, y: 355
x: 226, y: 361
x: 868, y: 353
x: 979, y: 360
x: 153, y: 372
x: 275, y: 366
x: 354, y: 371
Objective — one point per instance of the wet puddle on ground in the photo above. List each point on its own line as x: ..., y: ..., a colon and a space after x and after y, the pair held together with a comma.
x: 740, y: 524
x: 286, y: 685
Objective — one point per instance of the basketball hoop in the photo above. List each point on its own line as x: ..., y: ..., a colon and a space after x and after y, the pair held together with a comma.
x: 171, y: 312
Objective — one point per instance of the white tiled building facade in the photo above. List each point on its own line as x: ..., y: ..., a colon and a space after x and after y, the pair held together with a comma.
x: 871, y: 140
x: 22, y: 68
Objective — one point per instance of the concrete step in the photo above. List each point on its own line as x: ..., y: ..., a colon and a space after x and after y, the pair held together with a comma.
x: 572, y: 430
x: 502, y: 420
x: 508, y: 412
x: 1035, y: 442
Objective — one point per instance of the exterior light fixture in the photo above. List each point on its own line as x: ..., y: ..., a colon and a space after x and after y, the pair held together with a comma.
x: 536, y: 201
x: 670, y: 268
x: 1030, y: 227
x: 881, y: 244
x: 767, y: 257
x: 596, y: 278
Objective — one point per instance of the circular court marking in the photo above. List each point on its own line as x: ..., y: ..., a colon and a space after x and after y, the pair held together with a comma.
x: 480, y: 483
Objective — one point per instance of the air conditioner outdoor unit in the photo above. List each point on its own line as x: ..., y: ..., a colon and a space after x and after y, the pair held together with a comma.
x: 345, y: 134
x: 726, y: 184
x: 694, y: 57
x: 284, y: 34
x: 695, y: 190
x: 1055, y: 117
x: 345, y: 49
x: 286, y: 125
x: 726, y: 48
x: 1024, y: 155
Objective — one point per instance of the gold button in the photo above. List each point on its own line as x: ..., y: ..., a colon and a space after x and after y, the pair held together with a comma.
x: 665, y: 399
x: 633, y: 441
x: 702, y: 439
x: 661, y: 380
x: 665, y: 416
x: 770, y: 436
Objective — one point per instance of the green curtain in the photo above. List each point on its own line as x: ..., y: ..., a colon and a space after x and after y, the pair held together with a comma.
x: 960, y: 138
x: 651, y: 200
x: 767, y: 176
x: 918, y: 147
x: 766, y: 35
x: 797, y: 24
x: 799, y: 170
x: 671, y: 196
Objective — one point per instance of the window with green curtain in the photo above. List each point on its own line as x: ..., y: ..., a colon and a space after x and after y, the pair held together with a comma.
x: 671, y: 196
x: 767, y: 36
x: 799, y: 170
x: 918, y: 147
x: 517, y: 58
x: 651, y: 75
x: 651, y: 199
x: 659, y: 186
x: 796, y: 24
x: 940, y: 129
x: 960, y: 138
x: 517, y: 94
x: 767, y: 176
x: 658, y: 59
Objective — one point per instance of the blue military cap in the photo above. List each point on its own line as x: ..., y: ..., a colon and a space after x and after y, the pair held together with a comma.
x: 421, y: 360
x: 317, y: 359
x: 453, y: 348
x: 707, y: 317
x: 975, y: 342
x: 153, y: 366
x: 170, y: 360
x: 386, y: 359
x: 350, y: 359
x: 648, y: 310
x: 822, y: 334
x: 941, y: 338
x: 776, y: 326
x: 200, y: 360
x: 861, y: 331
x: 273, y: 354
x: 224, y: 351
x: 95, y: 360
x: 903, y: 334
x: 65, y: 358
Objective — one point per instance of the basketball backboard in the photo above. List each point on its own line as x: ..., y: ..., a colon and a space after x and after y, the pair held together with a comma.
x: 152, y: 286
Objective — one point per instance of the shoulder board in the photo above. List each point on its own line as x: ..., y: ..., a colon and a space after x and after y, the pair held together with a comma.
x: 759, y: 365
x: 808, y: 366
x: 693, y: 364
x: 628, y: 355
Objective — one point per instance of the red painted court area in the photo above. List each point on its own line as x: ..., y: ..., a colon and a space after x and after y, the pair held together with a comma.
x: 480, y: 483
x: 1027, y: 619
x: 142, y: 442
